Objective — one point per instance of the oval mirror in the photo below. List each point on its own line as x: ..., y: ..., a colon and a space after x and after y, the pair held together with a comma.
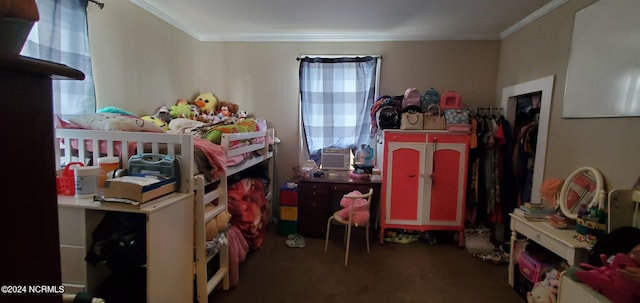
x: 580, y: 188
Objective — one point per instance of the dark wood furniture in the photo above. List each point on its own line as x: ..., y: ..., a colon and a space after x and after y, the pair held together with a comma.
x: 29, y: 209
x: 318, y: 198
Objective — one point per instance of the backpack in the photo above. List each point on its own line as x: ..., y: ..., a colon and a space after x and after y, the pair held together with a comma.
x: 450, y: 100
x: 411, y: 97
x: 388, y: 117
x: 119, y: 240
x: 389, y: 121
x: 430, y: 97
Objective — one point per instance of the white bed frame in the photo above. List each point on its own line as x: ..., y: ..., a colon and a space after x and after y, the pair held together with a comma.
x: 181, y: 146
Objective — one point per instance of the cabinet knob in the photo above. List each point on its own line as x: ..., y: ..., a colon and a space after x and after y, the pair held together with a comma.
x: 335, y: 188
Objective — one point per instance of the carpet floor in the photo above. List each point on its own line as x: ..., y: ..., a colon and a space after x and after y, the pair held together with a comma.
x: 414, y: 272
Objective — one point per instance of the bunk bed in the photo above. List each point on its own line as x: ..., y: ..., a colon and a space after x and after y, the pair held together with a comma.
x: 206, y: 187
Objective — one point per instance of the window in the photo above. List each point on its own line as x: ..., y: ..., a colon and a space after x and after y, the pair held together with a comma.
x: 61, y: 36
x: 336, y: 96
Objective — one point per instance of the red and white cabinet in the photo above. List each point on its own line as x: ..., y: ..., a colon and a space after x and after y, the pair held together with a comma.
x: 424, y: 177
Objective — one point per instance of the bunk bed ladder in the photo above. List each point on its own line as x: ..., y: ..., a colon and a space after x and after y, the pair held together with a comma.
x: 205, y: 286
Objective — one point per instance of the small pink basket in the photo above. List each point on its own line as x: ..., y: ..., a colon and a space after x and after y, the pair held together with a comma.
x: 65, y: 180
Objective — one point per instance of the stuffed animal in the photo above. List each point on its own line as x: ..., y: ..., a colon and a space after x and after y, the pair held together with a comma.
x: 181, y: 109
x: 207, y: 102
x: 157, y: 121
x: 540, y: 293
x: 545, y: 291
x: 215, y: 134
x: 360, y: 209
x: 227, y: 109
x: 609, y: 281
x: 115, y: 110
x: 163, y: 113
x: 219, y: 223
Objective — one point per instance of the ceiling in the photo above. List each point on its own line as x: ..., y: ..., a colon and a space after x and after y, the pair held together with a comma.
x: 348, y: 20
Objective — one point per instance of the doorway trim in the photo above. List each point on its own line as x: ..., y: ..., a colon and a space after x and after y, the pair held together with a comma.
x: 545, y: 86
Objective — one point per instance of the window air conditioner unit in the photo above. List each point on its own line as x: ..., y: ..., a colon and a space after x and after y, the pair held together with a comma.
x: 336, y: 159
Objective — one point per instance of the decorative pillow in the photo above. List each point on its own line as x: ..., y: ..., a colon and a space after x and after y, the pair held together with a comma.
x: 113, y: 122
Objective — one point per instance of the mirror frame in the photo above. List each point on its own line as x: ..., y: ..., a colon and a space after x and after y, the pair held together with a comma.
x: 562, y: 198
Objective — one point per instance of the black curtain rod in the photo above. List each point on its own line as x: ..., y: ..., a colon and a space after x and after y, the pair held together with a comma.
x: 346, y: 58
x: 97, y: 3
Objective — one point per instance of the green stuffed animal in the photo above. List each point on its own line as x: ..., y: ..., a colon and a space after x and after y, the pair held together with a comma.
x: 215, y: 135
x: 181, y: 110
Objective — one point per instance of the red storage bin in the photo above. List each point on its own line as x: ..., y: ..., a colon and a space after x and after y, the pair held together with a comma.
x: 288, y: 196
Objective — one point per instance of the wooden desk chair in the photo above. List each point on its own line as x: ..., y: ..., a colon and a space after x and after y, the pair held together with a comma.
x: 349, y: 221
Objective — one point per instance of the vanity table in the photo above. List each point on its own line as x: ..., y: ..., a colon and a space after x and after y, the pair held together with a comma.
x: 558, y: 241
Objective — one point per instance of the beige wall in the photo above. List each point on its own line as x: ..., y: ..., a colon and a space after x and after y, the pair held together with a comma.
x: 608, y: 144
x: 139, y: 61
x: 263, y: 77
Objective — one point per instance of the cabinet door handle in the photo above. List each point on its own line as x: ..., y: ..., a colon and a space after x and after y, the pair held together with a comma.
x: 412, y: 176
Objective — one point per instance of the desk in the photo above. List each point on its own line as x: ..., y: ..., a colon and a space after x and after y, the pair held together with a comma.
x: 169, y: 239
x: 319, y: 197
x: 558, y: 241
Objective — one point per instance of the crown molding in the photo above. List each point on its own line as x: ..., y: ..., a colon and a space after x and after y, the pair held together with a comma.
x: 320, y: 37
x: 533, y: 17
x: 333, y: 38
x: 166, y: 18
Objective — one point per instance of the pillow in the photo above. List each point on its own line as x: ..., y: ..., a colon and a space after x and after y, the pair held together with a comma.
x: 113, y: 122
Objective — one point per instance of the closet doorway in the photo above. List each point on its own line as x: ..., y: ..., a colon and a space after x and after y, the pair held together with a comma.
x: 532, y: 98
